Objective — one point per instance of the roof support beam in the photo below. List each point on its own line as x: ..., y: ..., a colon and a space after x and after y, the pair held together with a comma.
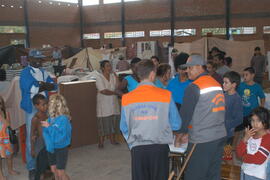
x: 228, y: 18
x: 123, y: 23
x: 26, y: 24
x: 172, y: 11
x: 81, y: 22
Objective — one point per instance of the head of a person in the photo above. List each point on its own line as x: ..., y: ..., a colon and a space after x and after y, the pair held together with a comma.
x: 121, y: 58
x: 57, y: 106
x: 180, y: 60
x: 155, y: 60
x: 228, y: 61
x: 133, y: 63
x: 211, y: 67
x: 40, y: 102
x: 174, y: 53
x: 35, y: 62
x: 231, y: 80
x: 195, y: 66
x: 214, y: 51
x: 2, y: 106
x: 257, y: 51
x: 106, y: 66
x: 248, y: 74
x: 164, y: 71
x: 146, y: 70
x: 219, y: 59
x: 260, y: 119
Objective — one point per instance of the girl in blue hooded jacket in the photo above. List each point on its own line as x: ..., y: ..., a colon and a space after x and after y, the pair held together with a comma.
x: 57, y: 135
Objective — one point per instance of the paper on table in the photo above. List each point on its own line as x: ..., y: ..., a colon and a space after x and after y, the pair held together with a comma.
x: 180, y: 149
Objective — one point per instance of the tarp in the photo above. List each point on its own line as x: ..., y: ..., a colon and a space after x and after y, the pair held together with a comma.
x: 90, y: 58
x: 7, y: 55
x: 240, y: 51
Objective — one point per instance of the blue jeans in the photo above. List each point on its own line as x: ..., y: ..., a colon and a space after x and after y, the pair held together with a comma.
x: 268, y: 170
x: 30, y: 161
x: 247, y: 177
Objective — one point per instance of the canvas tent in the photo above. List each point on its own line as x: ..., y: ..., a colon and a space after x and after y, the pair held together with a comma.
x: 90, y: 58
x: 240, y: 51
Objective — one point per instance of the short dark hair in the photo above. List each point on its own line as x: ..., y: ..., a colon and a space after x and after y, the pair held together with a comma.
x: 228, y: 61
x: 257, y: 48
x: 251, y: 70
x: 102, y: 63
x: 234, y: 77
x: 220, y: 56
x: 144, y: 68
x: 180, y: 59
x: 155, y: 57
x: 263, y: 115
x: 135, y: 61
x: 162, y: 69
x: 37, y: 98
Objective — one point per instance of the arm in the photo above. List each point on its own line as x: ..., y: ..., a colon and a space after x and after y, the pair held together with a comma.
x: 237, y: 114
x: 262, y: 102
x: 260, y: 156
x: 123, y: 124
x: 174, y: 118
x: 190, y: 100
x: 241, y: 149
x: 101, y: 87
x: 33, y: 136
x: 5, y: 120
x: 123, y: 84
x: 252, y: 62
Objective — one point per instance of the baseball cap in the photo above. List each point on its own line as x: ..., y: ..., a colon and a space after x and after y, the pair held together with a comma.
x: 194, y: 60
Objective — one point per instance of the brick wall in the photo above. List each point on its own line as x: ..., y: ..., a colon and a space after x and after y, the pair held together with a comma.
x: 59, y: 25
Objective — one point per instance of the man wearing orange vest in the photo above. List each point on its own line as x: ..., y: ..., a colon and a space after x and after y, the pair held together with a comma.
x: 203, y: 115
x: 148, y: 117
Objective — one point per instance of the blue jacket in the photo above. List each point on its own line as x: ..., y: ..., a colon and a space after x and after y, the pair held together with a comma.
x: 26, y: 83
x: 58, y: 134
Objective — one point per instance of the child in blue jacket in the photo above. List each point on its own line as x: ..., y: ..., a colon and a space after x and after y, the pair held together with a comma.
x: 57, y: 135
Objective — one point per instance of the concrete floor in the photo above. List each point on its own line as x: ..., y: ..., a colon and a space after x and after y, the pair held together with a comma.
x: 90, y: 163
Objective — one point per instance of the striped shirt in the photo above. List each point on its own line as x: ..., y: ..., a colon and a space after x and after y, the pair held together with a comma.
x: 255, y: 155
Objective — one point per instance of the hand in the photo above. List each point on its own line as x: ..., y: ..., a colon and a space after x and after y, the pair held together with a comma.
x: 45, y: 124
x: 248, y: 134
x: 118, y: 93
x: 180, y: 139
x: 45, y: 86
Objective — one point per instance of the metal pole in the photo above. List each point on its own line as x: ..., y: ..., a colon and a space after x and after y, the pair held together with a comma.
x: 172, y: 10
x: 228, y: 18
x: 81, y: 22
x: 26, y: 24
x: 123, y: 23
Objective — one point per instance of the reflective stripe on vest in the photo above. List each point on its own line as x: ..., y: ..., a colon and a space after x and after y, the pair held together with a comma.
x: 210, y: 89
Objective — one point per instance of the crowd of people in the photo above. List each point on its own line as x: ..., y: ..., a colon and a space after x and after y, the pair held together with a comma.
x: 204, y: 104
x: 214, y: 107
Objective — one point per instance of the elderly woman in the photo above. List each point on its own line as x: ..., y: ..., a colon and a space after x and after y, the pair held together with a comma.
x: 108, y: 109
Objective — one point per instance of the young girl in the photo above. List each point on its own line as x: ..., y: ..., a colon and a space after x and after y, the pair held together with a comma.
x: 5, y: 146
x: 255, y: 146
x: 57, y: 135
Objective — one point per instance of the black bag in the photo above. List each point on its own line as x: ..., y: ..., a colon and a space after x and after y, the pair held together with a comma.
x: 12, y: 136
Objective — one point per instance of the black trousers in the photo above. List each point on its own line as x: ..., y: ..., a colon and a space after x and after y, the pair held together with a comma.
x: 150, y: 162
x: 205, y: 162
x: 41, y: 163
